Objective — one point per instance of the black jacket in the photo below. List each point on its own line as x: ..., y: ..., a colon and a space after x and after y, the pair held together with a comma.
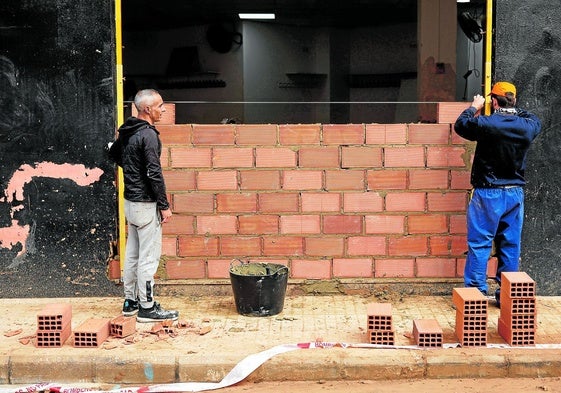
x: 503, y: 141
x: 137, y: 150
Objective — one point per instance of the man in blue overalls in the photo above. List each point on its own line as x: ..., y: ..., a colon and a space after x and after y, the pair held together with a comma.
x: 496, y: 209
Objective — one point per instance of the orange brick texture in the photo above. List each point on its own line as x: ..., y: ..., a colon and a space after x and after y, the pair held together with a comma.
x: 330, y: 201
x: 471, y: 316
x: 92, y: 333
x: 427, y: 333
x: 54, y: 325
x: 379, y: 325
x: 517, y: 319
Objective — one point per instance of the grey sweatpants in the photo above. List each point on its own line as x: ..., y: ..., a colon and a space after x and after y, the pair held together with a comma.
x: 143, y: 250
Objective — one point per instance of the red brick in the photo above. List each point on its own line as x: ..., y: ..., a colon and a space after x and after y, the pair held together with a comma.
x: 428, y: 179
x: 185, y: 269
x: 450, y: 201
x: 381, y: 337
x: 240, y: 246
x: 213, y: 134
x: 278, y: 203
x: 469, y: 301
x: 92, y: 333
x: 218, y: 268
x: 300, y: 224
x: 386, y: 134
x: 408, y: 246
x: 436, y: 267
x: 366, y: 245
x: 458, y: 244
x: 438, y: 157
x: 321, y: 202
x: 379, y: 316
x: 310, y: 269
x: 343, y: 134
x: 287, y: 245
x: 345, y: 180
x: 382, y: 224
x: 405, y: 202
x: 275, y: 157
x: 198, y: 246
x: 324, y: 246
x: 175, y: 134
x: 179, y: 225
x: 342, y: 224
x: 427, y: 333
x: 352, y: 267
x: 515, y: 337
x: 460, y: 180
x: 429, y: 134
x: 318, y: 157
x: 424, y: 223
x: 190, y: 157
x: 517, y: 284
x: 54, y: 316
x: 122, y: 326
x: 236, y: 203
x: 232, y: 158
x: 387, y: 179
x: 299, y: 134
x: 302, y: 180
x: 220, y: 180
x: 458, y: 223
x: 448, y: 112
x: 259, y: 224
x: 363, y: 202
x: 114, y: 269
x: 193, y: 203
x: 169, y: 246
x: 260, y: 180
x: 165, y: 158
x: 52, y: 338
x: 394, y: 268
x: 179, y: 180
x: 361, y: 157
x: 216, y: 224
x: 256, y: 134
x: 397, y: 157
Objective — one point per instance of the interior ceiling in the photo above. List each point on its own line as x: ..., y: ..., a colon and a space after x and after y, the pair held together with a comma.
x: 164, y: 14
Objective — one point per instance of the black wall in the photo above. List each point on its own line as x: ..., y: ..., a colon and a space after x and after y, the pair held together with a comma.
x: 57, y: 107
x: 528, y: 52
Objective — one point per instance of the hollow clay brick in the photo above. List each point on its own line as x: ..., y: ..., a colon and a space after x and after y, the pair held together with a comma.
x: 52, y: 338
x: 379, y: 316
x: 122, y: 326
x: 517, y: 285
x: 92, y: 333
x: 54, y: 316
x: 469, y: 301
x: 427, y: 332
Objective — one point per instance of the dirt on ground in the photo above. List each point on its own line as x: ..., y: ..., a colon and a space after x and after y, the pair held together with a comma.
x: 514, y: 385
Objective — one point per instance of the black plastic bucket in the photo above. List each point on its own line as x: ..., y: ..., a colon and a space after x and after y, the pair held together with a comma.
x: 259, y: 288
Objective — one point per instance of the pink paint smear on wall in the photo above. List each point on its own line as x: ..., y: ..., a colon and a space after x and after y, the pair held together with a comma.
x: 18, y: 234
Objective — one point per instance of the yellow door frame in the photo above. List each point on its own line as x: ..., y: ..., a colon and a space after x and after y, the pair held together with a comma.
x: 488, y: 54
x: 119, y: 121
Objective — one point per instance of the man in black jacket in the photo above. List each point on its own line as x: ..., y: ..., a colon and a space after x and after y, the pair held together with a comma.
x: 137, y: 150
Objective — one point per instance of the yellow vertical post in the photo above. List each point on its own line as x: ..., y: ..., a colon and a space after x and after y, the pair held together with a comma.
x: 120, y: 120
x: 488, y: 54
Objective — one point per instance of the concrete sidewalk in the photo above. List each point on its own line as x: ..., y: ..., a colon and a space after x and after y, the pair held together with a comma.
x: 213, y: 338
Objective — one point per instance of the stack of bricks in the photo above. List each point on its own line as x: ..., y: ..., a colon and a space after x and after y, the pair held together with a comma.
x: 427, y: 333
x: 380, y: 325
x: 471, y: 316
x: 54, y: 325
x: 517, y: 319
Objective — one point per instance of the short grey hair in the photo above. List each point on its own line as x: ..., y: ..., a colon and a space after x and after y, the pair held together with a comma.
x: 144, y: 98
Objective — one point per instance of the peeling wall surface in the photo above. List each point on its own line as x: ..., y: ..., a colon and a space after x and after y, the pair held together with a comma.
x: 57, y: 204
x: 528, y: 52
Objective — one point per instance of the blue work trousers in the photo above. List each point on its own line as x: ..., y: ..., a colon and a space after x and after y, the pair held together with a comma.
x: 494, y: 214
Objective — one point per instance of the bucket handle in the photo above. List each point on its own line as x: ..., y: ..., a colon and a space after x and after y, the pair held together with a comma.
x: 241, y: 263
x: 280, y: 269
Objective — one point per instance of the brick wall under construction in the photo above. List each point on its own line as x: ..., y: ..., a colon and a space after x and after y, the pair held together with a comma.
x: 329, y: 201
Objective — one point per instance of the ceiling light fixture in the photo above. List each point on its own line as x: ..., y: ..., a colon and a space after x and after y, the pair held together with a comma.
x: 462, y: 1
x: 257, y: 16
